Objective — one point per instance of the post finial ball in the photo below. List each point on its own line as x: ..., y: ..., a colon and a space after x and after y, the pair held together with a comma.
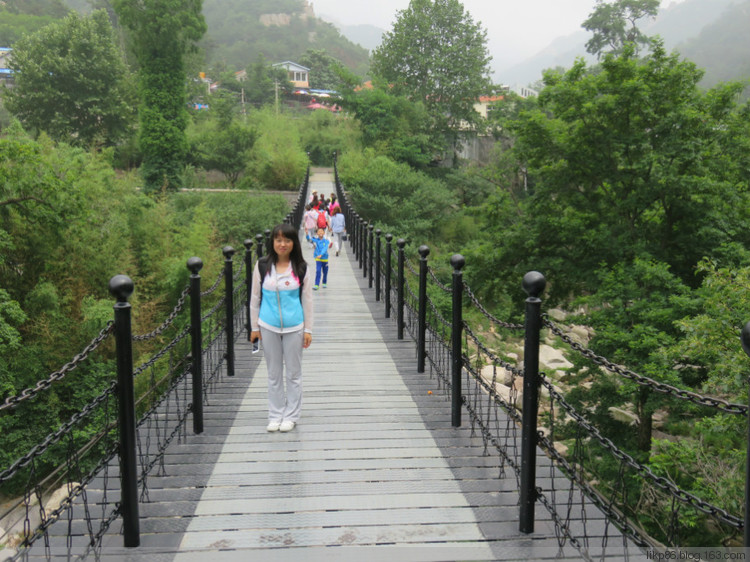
x: 534, y: 283
x: 194, y: 265
x: 121, y: 287
x: 458, y: 261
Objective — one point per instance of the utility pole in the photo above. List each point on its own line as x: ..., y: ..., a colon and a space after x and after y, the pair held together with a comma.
x: 276, y: 91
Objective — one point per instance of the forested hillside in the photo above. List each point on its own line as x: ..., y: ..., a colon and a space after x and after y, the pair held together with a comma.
x: 18, y: 17
x: 722, y: 47
x: 239, y: 31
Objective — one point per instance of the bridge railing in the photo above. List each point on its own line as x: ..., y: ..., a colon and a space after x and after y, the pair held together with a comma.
x: 118, y: 440
x: 483, y: 382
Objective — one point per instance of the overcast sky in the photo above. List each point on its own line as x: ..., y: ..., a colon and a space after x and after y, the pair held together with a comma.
x: 516, y: 29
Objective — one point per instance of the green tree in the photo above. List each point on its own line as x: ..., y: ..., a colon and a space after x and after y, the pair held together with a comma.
x: 393, y: 125
x: 264, y: 82
x: 626, y: 162
x: 226, y: 149
x: 324, y: 69
x: 614, y: 25
x: 435, y: 54
x: 71, y: 82
x: 163, y: 32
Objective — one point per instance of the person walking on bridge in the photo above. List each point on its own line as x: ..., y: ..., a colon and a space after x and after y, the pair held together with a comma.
x: 281, y: 315
x: 311, y: 222
x: 338, y: 227
x: 320, y: 253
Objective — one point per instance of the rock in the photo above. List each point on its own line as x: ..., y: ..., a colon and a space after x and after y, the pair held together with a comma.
x: 58, y: 497
x: 496, y: 374
x: 504, y: 392
x: 580, y: 334
x: 551, y: 358
x: 561, y: 448
x: 623, y: 415
x: 557, y: 314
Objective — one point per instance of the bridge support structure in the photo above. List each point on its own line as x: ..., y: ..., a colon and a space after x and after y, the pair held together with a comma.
x: 121, y: 287
x: 196, y: 338
x: 534, y: 284
x: 458, y: 262
x: 228, y: 252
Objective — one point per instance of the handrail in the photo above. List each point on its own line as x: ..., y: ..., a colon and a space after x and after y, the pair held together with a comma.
x: 433, y: 340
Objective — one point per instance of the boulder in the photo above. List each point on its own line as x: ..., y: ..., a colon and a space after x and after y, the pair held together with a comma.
x: 623, y: 415
x: 551, y: 358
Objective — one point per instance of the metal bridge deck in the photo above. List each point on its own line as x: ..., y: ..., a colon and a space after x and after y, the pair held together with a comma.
x: 373, y: 471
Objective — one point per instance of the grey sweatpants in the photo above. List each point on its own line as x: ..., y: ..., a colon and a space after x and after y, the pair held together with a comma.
x: 280, y: 351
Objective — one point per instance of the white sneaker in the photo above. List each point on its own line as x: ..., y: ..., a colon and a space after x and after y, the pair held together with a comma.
x: 273, y: 426
x: 287, y: 425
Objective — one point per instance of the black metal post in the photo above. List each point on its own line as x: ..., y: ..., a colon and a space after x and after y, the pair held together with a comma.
x: 121, y: 287
x: 533, y: 283
x: 196, y: 337
x: 388, y: 254
x: 360, y: 242
x: 365, y: 257
x: 458, y: 262
x: 353, y: 238
x: 424, y: 251
x: 370, y: 253
x: 400, y: 289
x: 745, y: 339
x: 228, y: 252
x: 248, y: 279
x: 378, y: 232
x: 259, y: 245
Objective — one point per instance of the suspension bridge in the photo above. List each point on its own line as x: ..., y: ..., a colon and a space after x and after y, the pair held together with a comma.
x: 408, y: 447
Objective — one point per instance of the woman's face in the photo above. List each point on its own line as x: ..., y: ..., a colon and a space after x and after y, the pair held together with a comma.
x: 283, y: 246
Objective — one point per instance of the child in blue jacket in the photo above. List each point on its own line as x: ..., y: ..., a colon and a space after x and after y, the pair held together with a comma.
x: 320, y: 253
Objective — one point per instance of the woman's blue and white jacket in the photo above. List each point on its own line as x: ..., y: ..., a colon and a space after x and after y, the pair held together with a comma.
x: 283, y: 309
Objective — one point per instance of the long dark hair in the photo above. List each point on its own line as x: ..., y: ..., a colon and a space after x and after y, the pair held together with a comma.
x: 296, y: 258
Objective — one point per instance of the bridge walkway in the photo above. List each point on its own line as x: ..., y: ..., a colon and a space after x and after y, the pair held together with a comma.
x: 373, y: 471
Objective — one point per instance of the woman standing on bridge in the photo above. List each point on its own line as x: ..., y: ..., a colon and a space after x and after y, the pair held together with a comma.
x: 281, y: 316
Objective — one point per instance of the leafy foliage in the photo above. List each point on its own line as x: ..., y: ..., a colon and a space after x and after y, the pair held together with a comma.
x: 404, y: 201
x: 72, y: 83
x: 436, y: 55
x: 614, y: 25
x: 163, y: 33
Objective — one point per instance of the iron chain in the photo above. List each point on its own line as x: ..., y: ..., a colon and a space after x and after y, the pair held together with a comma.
x: 663, y: 388
x: 170, y: 319
x: 13, y: 401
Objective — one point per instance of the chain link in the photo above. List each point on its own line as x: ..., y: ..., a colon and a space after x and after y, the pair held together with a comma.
x: 437, y: 281
x: 13, y: 401
x: 213, y: 287
x: 659, y: 481
x: 478, y: 305
x: 663, y: 388
x: 169, y: 320
x: 55, y: 437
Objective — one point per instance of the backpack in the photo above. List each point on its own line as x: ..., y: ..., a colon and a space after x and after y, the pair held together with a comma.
x: 322, y: 222
x: 263, y: 269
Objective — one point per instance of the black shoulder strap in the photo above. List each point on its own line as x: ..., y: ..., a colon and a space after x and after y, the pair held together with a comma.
x: 262, y: 269
x: 302, y: 273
